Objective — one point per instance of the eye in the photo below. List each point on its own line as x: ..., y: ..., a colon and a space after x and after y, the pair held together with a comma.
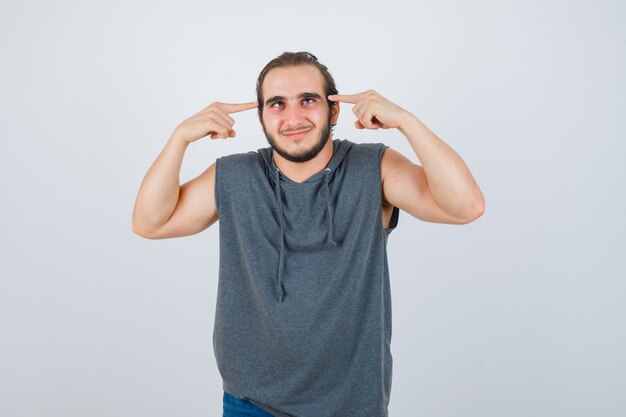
x: 277, y: 104
x: 308, y: 100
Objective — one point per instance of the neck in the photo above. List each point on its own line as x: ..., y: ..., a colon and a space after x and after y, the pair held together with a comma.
x: 300, y: 171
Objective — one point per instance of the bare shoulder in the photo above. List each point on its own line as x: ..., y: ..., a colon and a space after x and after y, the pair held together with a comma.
x: 392, y: 162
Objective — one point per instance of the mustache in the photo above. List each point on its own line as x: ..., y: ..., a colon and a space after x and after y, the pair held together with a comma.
x: 295, y: 129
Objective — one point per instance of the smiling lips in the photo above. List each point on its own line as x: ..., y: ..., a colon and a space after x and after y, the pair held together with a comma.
x: 293, y: 134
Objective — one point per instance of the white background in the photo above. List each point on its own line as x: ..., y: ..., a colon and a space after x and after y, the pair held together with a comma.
x: 520, y: 313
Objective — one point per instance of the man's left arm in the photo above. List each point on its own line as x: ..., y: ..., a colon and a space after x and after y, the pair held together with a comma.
x: 442, y: 189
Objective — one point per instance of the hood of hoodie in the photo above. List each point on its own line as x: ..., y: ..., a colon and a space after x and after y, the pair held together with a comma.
x: 321, y: 180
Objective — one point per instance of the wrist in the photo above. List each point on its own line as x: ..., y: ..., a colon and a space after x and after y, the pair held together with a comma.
x: 178, y: 139
x: 408, y: 123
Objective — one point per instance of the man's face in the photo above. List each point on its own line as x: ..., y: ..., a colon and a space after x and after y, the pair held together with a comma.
x: 296, y: 118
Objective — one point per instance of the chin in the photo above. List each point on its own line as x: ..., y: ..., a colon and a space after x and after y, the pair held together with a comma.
x: 301, y: 155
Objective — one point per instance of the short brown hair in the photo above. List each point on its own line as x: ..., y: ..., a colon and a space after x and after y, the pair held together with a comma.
x: 290, y: 59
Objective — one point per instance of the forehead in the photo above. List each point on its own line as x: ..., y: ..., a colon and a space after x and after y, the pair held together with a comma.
x: 288, y: 81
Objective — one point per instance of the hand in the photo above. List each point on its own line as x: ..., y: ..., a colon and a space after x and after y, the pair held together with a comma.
x: 213, y: 120
x: 374, y: 111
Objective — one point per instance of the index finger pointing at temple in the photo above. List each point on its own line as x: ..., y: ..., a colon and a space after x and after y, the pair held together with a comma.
x: 346, y: 98
x: 234, y: 108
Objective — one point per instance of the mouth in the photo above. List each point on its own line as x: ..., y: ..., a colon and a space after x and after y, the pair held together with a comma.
x: 296, y: 134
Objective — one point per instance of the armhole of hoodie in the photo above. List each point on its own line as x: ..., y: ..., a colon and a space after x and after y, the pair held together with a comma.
x: 395, y: 213
x: 217, y: 186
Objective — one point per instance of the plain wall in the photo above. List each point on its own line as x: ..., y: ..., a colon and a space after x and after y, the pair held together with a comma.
x: 520, y: 313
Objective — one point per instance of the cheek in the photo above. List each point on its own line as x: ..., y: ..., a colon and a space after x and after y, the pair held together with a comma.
x: 269, y: 121
x: 318, y: 113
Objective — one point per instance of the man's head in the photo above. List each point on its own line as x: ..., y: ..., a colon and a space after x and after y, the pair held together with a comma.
x: 294, y: 110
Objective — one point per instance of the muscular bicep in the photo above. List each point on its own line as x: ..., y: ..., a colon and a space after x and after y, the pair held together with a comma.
x: 196, y: 209
x: 405, y: 186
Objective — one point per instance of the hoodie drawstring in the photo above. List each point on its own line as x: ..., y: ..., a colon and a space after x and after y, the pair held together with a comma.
x: 331, y: 238
x: 279, y: 284
x: 280, y: 290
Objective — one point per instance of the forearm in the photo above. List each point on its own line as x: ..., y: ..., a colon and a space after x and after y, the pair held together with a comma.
x: 158, y: 194
x: 450, y: 181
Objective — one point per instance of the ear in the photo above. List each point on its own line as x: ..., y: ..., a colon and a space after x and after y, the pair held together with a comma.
x: 335, y: 113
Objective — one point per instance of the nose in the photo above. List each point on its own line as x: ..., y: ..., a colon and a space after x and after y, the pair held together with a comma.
x: 294, y: 116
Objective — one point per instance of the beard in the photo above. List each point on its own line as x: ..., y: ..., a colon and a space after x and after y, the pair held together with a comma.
x: 305, y: 154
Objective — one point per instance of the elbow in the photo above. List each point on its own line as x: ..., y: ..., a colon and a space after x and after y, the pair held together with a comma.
x: 477, y: 210
x: 479, y: 205
x: 139, y: 231
x: 136, y: 230
x: 140, y: 226
x: 473, y: 212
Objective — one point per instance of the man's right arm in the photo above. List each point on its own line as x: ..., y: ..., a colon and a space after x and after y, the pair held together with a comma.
x: 164, y: 208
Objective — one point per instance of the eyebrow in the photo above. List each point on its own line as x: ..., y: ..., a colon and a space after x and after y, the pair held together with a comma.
x: 274, y: 99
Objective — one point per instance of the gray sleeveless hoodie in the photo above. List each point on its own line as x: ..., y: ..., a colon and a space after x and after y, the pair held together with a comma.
x: 303, y: 313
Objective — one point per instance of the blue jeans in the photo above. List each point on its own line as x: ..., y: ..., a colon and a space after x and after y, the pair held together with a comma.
x: 235, y: 406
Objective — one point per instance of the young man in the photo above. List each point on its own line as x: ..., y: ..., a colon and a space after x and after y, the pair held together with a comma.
x: 303, y: 315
